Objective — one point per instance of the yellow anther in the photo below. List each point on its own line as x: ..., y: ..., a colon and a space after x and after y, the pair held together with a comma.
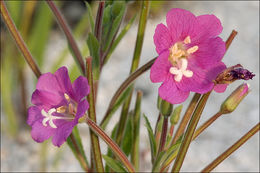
x: 61, y: 109
x: 192, y: 49
x: 67, y: 97
x: 187, y: 40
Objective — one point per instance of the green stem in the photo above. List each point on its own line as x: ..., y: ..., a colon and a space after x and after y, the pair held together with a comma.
x: 134, y: 66
x: 186, y: 117
x: 113, y: 146
x: 164, y: 134
x: 66, y: 29
x: 189, y: 133
x: 231, y: 149
x: 124, y: 86
x: 136, y: 118
x: 230, y: 38
x: 19, y: 40
x: 206, y: 125
x: 98, y: 23
x: 92, y: 115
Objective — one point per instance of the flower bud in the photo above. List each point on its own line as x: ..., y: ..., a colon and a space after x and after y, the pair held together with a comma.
x: 175, y: 116
x: 230, y: 104
x: 165, y: 108
x: 159, y: 100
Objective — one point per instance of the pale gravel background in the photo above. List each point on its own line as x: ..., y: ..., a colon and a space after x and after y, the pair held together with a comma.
x: 23, y: 154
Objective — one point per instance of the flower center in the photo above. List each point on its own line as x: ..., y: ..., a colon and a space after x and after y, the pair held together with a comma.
x: 182, y: 71
x: 69, y: 113
x: 178, y: 58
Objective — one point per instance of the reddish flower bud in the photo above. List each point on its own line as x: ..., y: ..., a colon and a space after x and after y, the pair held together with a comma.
x: 230, y: 104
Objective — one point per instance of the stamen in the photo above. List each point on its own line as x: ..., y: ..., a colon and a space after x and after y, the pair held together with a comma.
x: 192, y: 49
x: 187, y: 40
x: 62, y: 109
x: 67, y: 97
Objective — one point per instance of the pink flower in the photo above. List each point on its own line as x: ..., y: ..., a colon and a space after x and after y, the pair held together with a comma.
x: 190, y: 54
x: 58, y: 106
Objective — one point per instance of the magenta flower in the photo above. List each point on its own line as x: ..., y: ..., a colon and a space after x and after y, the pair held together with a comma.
x: 190, y: 54
x: 58, y: 106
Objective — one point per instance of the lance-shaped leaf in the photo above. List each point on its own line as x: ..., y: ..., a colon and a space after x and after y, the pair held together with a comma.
x: 90, y: 17
x: 112, y: 18
x: 40, y: 32
x: 93, y: 47
x: 114, y: 164
x: 151, y: 137
x: 119, y: 38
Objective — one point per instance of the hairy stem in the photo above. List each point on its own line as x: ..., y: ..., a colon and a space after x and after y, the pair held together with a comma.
x: 19, y: 40
x: 136, y: 128
x: 66, y: 29
x: 189, y: 133
x: 125, y: 85
x: 113, y: 146
x: 92, y: 114
x: 134, y: 66
x: 231, y: 149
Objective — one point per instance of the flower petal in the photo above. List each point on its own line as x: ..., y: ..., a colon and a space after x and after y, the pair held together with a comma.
x: 220, y: 88
x: 210, y: 51
x: 41, y: 133
x: 200, y: 82
x: 160, y: 68
x: 34, y: 114
x: 80, y: 87
x: 47, y: 99
x: 181, y: 23
x: 209, y: 26
x: 169, y: 92
x: 48, y: 82
x: 82, y: 108
x: 63, y: 79
x: 64, y: 129
x: 162, y: 38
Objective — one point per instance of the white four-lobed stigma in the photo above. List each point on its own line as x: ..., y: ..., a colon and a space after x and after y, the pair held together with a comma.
x: 182, y: 71
x: 49, y: 117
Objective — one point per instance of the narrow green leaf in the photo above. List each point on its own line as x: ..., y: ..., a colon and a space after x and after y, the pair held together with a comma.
x: 40, y: 32
x: 116, y: 13
x: 128, y: 137
x: 90, y: 17
x: 15, y: 9
x: 93, y: 46
x: 151, y: 138
x: 164, y: 155
x: 109, y: 151
x: 113, y: 15
x: 118, y: 103
x: 114, y: 164
x: 119, y: 38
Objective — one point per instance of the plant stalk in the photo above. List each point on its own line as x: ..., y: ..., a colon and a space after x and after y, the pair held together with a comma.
x: 134, y: 66
x: 92, y: 114
x: 66, y: 29
x: 113, y: 146
x: 231, y: 149
x: 19, y: 40
x: 189, y: 132
x: 206, y: 125
x: 164, y: 134
x: 136, y: 131
x: 125, y: 85
x: 186, y: 117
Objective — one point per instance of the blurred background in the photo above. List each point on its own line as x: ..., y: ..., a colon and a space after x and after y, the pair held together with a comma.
x: 49, y: 47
